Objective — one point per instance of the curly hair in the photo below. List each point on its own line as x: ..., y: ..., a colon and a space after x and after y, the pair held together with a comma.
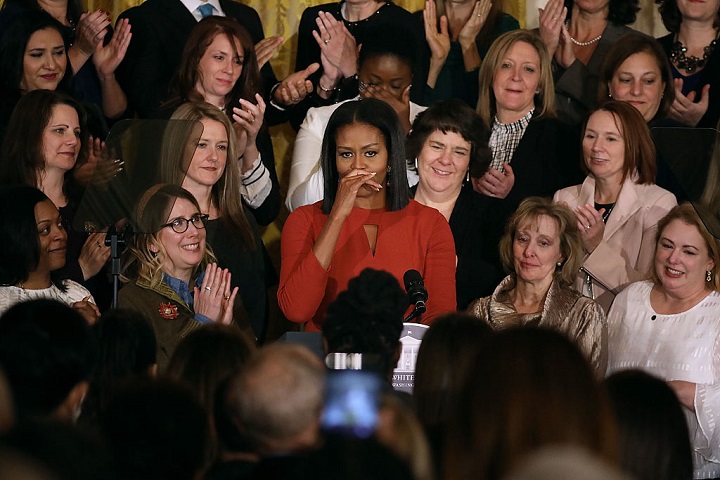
x: 367, y: 317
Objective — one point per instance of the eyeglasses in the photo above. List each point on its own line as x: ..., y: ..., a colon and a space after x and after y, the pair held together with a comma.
x: 180, y: 224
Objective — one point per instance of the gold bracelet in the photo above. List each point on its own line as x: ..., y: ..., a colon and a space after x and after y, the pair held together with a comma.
x: 326, y: 90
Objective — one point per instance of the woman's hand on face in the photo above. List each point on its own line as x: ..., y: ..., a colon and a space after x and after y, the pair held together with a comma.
x: 684, y: 109
x: 591, y: 226
x: 93, y: 255
x: 401, y: 105
x: 88, y: 310
x: 495, y: 183
x: 471, y: 29
x: 91, y: 30
x: 265, y: 49
x: 248, y: 120
x: 107, y: 58
x: 214, y: 298
x: 438, y: 41
x: 347, y: 191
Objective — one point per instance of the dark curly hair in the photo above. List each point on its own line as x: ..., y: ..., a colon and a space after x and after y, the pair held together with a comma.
x: 367, y: 317
x: 622, y: 12
x: 671, y: 16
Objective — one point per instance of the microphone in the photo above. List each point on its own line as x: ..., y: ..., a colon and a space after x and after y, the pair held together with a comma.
x: 415, y: 289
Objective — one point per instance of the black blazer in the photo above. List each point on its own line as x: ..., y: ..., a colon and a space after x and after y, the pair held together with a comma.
x: 160, y: 29
x: 477, y: 225
x: 547, y: 159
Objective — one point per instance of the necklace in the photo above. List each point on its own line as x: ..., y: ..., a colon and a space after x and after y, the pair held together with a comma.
x: 691, y: 63
x: 583, y: 44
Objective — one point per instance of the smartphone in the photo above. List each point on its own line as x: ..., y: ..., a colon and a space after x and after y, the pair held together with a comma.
x: 352, y: 400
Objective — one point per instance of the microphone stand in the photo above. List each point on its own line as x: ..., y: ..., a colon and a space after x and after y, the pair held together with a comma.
x: 117, y: 242
x: 416, y: 313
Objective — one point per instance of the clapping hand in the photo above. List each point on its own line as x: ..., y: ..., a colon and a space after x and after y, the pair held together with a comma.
x: 338, y: 49
x: 265, y: 49
x: 495, y: 183
x: 91, y: 30
x: 214, y: 298
x: 551, y: 22
x: 684, y: 109
x: 248, y: 120
x: 107, y: 58
x: 591, y: 226
x: 296, y: 86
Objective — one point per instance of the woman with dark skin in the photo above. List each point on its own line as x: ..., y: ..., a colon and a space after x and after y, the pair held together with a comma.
x: 366, y: 219
x: 34, y: 252
x: 45, y: 146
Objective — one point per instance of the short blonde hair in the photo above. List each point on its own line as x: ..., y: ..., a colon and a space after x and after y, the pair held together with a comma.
x: 544, y: 99
x: 571, y: 246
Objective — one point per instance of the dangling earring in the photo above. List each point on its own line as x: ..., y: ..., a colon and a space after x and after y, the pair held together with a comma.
x: 388, y: 169
x: 416, y: 166
x: 467, y: 176
x: 708, y: 275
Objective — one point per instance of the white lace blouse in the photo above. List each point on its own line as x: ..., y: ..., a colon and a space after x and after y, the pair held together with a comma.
x: 683, y: 346
x: 10, y: 295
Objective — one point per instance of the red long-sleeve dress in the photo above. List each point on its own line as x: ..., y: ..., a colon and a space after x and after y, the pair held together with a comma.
x: 416, y: 237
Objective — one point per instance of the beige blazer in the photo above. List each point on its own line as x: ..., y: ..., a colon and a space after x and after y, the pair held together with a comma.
x: 626, y: 253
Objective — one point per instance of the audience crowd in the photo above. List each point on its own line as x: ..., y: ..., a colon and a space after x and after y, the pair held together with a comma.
x: 497, y: 188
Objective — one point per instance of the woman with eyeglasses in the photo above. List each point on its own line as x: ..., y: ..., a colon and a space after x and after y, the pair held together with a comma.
x: 172, y: 277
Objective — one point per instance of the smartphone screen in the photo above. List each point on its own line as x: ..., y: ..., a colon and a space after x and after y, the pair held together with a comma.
x: 351, y: 402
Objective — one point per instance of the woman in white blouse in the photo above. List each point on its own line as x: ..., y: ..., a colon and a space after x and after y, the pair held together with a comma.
x: 34, y: 249
x: 670, y: 327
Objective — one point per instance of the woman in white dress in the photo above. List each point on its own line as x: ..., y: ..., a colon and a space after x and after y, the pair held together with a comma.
x: 34, y: 246
x: 669, y: 326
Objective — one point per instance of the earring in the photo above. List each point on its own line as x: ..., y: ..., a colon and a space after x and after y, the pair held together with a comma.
x: 388, y: 169
x: 559, y: 264
x: 609, y: 95
x: 416, y: 165
x: 537, y: 92
x: 467, y: 176
x: 708, y: 275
